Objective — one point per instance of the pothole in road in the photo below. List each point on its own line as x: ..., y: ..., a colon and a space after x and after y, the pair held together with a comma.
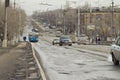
x: 80, y: 63
x: 65, y: 73
x: 87, y: 71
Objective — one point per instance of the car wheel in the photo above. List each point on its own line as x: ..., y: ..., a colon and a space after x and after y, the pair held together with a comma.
x: 53, y: 44
x: 115, y: 61
x: 70, y: 44
x: 60, y: 44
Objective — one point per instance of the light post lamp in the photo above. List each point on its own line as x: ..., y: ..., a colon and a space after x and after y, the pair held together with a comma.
x: 4, y: 44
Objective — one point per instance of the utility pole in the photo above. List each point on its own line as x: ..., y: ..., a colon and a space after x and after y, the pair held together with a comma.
x: 4, y: 44
x: 13, y: 40
x: 19, y: 29
x: 64, y: 20
x: 112, y: 24
x: 92, y: 31
x: 90, y: 13
x: 48, y: 16
x: 79, y: 27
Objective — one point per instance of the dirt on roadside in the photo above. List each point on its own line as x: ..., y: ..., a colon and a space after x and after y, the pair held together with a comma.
x: 9, y: 57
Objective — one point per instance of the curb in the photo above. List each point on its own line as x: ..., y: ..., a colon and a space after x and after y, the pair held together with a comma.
x: 42, y: 73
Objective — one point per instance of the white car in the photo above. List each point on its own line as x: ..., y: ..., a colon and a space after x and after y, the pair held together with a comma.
x: 83, y: 40
x: 55, y: 41
x: 115, y: 52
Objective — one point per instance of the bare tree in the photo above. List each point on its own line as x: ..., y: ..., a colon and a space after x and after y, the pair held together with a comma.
x: 13, y: 22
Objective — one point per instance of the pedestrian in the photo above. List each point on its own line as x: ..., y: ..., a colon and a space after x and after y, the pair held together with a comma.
x: 92, y: 40
x: 99, y: 40
x: 24, y: 38
x: 89, y: 39
x: 96, y: 40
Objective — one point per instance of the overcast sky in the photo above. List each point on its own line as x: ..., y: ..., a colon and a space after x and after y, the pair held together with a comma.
x: 33, y: 5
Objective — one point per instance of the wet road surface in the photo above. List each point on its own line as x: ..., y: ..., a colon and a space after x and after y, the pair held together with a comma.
x: 65, y: 63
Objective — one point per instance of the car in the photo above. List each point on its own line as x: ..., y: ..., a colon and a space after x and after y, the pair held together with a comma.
x: 55, y: 41
x: 115, y: 51
x: 35, y: 30
x: 65, y: 40
x: 83, y: 40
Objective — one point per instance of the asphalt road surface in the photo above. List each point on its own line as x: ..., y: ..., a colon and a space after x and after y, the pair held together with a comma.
x: 65, y: 63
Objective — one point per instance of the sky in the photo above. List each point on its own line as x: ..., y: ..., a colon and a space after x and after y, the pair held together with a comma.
x: 34, y: 5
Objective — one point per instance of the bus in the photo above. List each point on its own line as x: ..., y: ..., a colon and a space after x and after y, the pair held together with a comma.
x: 33, y: 37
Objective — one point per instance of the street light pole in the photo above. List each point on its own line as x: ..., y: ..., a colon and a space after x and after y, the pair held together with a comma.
x: 90, y: 12
x: 19, y: 29
x: 64, y: 22
x: 112, y: 26
x: 4, y: 44
x: 79, y: 27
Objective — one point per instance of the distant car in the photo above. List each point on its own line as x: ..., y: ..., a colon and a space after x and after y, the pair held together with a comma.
x: 35, y: 30
x: 83, y: 40
x: 115, y: 51
x: 55, y: 41
x: 65, y: 40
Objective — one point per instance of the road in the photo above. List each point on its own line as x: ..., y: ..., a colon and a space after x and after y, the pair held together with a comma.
x: 68, y: 63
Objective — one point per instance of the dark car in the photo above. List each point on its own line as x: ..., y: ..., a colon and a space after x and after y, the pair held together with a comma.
x: 55, y: 41
x: 65, y: 40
